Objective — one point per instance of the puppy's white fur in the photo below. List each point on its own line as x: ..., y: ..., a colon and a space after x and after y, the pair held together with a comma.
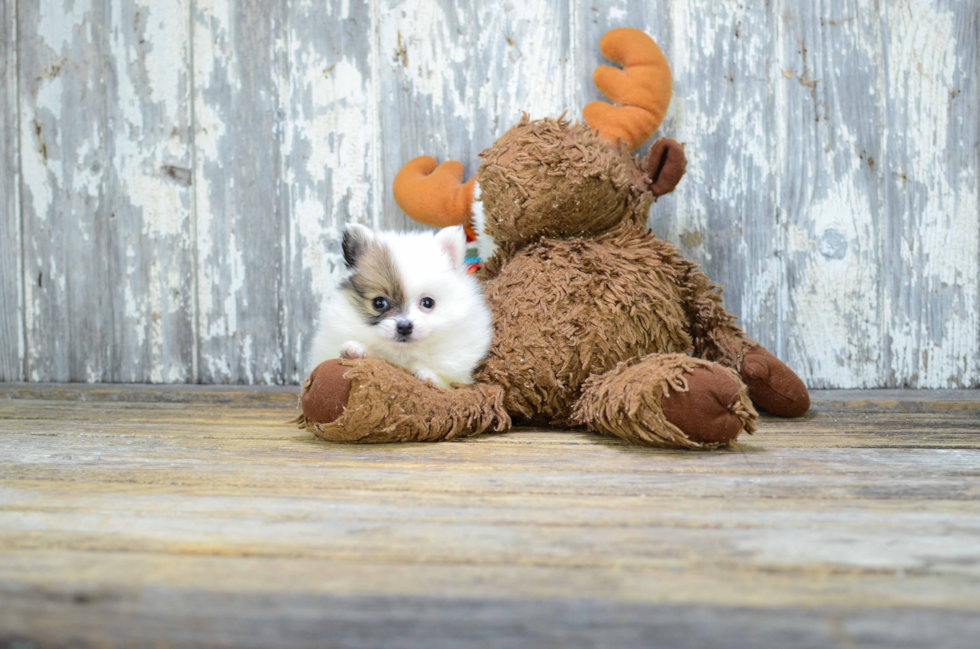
x: 447, y: 341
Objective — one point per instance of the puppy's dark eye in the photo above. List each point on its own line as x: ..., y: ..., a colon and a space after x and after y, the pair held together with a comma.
x: 427, y: 303
x: 379, y: 304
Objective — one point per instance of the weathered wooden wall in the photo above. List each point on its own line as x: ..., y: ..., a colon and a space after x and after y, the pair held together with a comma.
x: 175, y: 173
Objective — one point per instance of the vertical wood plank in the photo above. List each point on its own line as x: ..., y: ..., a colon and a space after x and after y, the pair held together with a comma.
x: 831, y: 159
x: 148, y: 192
x: 455, y: 75
x: 105, y: 110
x: 723, y: 215
x: 11, y: 279
x: 240, y: 206
x: 727, y: 212
x: 931, y: 231
x: 63, y: 133
x: 331, y: 152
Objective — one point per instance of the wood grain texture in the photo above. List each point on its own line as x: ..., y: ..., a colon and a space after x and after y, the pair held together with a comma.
x: 831, y: 197
x: 727, y: 212
x: 131, y: 522
x: 440, y: 99
x: 282, y: 395
x: 251, y: 619
x: 64, y: 159
x: 105, y: 108
x: 865, y: 401
x: 185, y: 169
x: 11, y: 275
x: 241, y: 213
x: 148, y: 192
x: 931, y: 237
x: 331, y: 155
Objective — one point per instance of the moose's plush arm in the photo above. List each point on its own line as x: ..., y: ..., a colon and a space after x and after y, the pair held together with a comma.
x: 371, y: 401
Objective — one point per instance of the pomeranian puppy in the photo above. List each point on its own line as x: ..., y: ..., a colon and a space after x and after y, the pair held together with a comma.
x: 407, y: 299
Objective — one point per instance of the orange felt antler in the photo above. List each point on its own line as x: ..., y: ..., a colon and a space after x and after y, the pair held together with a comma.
x: 640, y: 91
x: 434, y: 195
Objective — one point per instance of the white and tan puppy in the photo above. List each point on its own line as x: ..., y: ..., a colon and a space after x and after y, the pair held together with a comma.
x: 407, y: 299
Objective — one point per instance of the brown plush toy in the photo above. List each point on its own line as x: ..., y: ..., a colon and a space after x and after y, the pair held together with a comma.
x: 597, y: 323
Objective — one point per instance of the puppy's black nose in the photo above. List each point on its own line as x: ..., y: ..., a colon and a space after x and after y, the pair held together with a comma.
x: 404, y: 327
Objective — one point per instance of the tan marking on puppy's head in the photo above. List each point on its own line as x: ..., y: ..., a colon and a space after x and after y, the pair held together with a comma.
x: 375, y: 288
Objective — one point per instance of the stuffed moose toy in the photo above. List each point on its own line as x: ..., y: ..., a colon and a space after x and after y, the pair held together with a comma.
x: 597, y: 323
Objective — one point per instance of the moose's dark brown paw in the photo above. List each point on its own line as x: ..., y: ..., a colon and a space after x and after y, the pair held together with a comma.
x: 326, y: 392
x: 773, y: 386
x: 711, y: 410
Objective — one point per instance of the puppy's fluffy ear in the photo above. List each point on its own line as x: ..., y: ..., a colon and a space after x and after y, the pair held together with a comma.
x: 452, y: 241
x: 356, y: 240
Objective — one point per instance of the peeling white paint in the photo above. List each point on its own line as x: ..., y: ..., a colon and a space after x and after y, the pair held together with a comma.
x: 361, y: 86
x: 59, y: 20
x: 330, y: 168
x: 831, y: 198
x: 37, y: 165
x: 934, y: 335
x: 723, y: 214
x: 427, y: 51
x: 141, y: 153
x: 12, y: 334
x: 218, y: 320
x: 835, y: 299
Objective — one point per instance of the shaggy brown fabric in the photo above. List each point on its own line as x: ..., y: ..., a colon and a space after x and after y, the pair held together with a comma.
x: 773, y: 386
x: 713, y: 329
x: 548, y: 178
x: 664, y: 166
x: 639, y: 401
x: 387, y: 404
x: 566, y: 309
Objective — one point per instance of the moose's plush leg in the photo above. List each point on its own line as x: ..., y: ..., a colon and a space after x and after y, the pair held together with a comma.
x: 773, y: 386
x: 670, y: 400
x: 371, y: 401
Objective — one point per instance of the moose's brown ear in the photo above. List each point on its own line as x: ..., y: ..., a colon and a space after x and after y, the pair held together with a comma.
x: 664, y: 166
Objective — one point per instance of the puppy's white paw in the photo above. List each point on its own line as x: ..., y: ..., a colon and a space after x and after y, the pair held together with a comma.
x: 352, y: 349
x: 425, y: 374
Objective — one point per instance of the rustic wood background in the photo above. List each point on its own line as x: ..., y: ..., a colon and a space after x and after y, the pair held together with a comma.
x: 175, y: 173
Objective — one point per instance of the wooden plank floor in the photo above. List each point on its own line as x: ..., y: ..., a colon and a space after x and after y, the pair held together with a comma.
x: 188, y: 516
